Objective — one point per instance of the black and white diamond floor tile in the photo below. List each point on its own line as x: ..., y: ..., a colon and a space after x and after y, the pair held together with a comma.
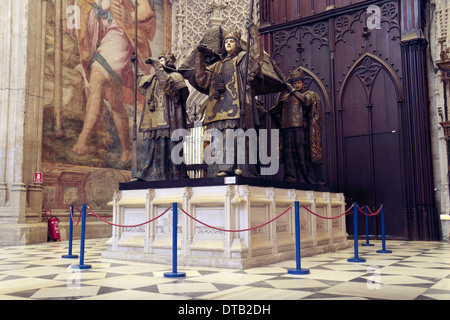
x: 414, y: 271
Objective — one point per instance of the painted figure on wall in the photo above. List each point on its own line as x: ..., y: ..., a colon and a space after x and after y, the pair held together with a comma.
x: 298, y: 115
x: 106, y: 43
x: 164, y: 112
x: 223, y: 82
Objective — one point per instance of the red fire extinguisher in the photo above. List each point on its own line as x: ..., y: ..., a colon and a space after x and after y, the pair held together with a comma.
x: 53, y: 227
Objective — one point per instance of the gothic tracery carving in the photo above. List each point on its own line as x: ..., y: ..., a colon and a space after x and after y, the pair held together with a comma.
x: 344, y: 24
x: 318, y: 31
x: 367, y: 72
x: 389, y: 14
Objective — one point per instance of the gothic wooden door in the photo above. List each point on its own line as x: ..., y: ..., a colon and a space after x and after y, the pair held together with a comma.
x: 371, y: 160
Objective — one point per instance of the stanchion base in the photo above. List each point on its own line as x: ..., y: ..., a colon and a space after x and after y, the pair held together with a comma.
x: 298, y: 271
x: 82, y: 267
x: 384, y: 251
x: 69, y: 256
x: 356, y: 260
x: 367, y: 245
x: 175, y: 274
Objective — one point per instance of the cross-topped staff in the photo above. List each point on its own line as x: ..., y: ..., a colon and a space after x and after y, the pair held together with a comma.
x: 244, y: 85
x: 134, y: 60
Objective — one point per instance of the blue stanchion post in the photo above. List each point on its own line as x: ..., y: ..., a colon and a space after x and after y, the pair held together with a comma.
x: 383, y: 233
x: 298, y: 269
x: 82, y: 266
x: 174, y: 273
x: 69, y: 255
x: 355, y: 235
x: 366, y: 219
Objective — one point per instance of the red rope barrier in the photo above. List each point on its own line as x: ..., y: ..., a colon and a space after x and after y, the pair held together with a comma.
x: 376, y: 213
x: 134, y: 226
x: 79, y: 217
x: 224, y: 230
x: 370, y: 214
x: 236, y: 231
x: 329, y: 218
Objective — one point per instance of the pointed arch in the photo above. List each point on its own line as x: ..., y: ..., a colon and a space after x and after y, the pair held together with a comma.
x: 367, y: 73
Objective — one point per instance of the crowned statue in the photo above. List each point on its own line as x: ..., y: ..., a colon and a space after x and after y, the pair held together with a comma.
x: 219, y: 66
x: 231, y: 104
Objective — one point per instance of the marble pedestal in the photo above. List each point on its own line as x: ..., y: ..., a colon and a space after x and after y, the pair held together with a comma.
x: 230, y: 204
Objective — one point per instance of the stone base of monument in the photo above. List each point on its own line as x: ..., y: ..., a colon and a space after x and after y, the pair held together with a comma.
x: 212, y: 216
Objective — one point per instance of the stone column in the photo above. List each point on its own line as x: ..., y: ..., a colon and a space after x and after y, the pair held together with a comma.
x: 21, y: 99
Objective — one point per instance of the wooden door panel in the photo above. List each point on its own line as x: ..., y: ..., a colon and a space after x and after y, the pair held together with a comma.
x: 358, y: 178
x: 354, y: 110
x: 385, y: 113
x: 388, y: 184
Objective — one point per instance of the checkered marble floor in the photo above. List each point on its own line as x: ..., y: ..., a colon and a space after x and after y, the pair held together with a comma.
x: 413, y: 271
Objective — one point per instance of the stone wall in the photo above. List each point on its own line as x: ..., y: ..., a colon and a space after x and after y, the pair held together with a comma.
x: 439, y: 39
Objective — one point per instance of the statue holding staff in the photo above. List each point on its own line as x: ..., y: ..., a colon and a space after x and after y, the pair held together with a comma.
x: 298, y: 115
x: 231, y: 103
x: 164, y: 112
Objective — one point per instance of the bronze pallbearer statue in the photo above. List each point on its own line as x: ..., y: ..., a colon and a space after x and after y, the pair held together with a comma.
x: 164, y: 111
x: 217, y: 68
x: 298, y: 115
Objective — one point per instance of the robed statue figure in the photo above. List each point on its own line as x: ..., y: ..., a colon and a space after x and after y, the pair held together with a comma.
x: 164, y: 112
x: 298, y: 115
x: 228, y: 105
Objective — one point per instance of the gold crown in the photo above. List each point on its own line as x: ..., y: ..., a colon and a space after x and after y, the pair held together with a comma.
x: 233, y: 34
